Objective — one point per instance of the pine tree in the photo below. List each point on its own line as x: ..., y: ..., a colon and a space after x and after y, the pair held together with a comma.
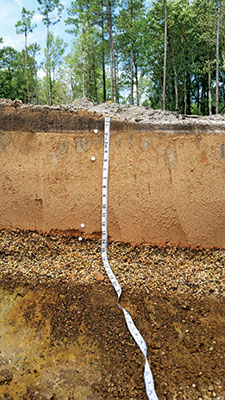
x: 51, y: 11
x: 33, y: 50
x: 129, y: 37
x: 55, y: 58
x: 217, y: 55
x: 25, y: 26
x: 165, y: 55
x: 88, y: 19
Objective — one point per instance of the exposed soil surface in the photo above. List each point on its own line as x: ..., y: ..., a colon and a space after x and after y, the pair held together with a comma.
x: 63, y: 336
x: 83, y: 114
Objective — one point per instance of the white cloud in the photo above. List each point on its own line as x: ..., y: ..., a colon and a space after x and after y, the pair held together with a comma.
x: 41, y: 74
x: 14, y: 41
x: 37, y: 18
x: 38, y: 35
x: 19, y: 2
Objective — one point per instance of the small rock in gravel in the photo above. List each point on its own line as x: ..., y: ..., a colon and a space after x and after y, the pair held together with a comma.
x: 98, y: 276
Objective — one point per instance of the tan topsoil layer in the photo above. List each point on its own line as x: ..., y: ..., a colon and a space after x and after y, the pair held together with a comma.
x: 63, y: 336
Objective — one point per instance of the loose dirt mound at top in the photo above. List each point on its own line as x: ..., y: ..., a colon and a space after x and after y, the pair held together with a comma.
x: 123, y: 112
x: 141, y: 114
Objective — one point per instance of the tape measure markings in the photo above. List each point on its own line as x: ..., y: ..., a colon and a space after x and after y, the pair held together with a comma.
x: 148, y: 378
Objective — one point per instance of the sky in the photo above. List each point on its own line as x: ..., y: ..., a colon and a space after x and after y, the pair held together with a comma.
x: 11, y: 13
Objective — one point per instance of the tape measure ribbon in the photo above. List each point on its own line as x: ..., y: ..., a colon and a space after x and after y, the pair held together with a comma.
x: 148, y: 378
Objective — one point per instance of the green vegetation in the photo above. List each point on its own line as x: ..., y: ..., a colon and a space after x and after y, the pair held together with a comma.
x: 25, y: 26
x: 168, y: 54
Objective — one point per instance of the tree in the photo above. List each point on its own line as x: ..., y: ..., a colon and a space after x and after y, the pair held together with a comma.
x: 179, y: 54
x: 84, y: 63
x: 217, y: 55
x: 55, y: 58
x: 12, y: 74
x: 113, y: 75
x: 88, y: 23
x: 33, y: 50
x: 205, y: 39
x: 130, y: 33
x: 25, y: 26
x: 8, y: 65
x: 102, y: 23
x: 51, y: 11
x: 190, y: 55
x: 165, y: 55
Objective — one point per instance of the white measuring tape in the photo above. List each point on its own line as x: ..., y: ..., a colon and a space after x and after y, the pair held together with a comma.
x: 148, y: 378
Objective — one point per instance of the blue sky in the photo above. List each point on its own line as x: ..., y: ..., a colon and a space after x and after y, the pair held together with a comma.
x: 11, y: 13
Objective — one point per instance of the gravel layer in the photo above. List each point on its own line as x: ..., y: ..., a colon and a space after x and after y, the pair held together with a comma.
x: 65, y: 258
x: 174, y: 295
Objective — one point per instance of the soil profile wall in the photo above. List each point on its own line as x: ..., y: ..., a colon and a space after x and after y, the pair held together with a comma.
x: 166, y: 180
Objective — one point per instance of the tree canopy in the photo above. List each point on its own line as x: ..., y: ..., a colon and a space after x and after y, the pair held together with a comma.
x: 165, y: 54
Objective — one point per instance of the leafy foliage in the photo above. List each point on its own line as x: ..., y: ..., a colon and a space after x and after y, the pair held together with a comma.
x: 12, y: 74
x: 121, y: 54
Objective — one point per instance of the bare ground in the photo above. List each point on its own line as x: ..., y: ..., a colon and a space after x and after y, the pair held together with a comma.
x: 63, y: 336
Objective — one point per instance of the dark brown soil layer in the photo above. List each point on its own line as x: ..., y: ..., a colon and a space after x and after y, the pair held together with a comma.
x: 83, y: 115
x: 63, y: 337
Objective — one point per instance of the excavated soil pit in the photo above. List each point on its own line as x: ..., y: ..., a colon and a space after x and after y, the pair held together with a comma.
x: 62, y: 335
x: 166, y: 173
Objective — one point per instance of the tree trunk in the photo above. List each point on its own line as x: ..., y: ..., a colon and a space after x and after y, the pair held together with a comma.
x: 103, y: 52
x: 94, y: 81
x: 89, y: 84
x: 165, y: 55
x: 83, y: 81
x: 137, y: 83
x: 209, y: 89
x: 115, y: 76
x: 103, y: 76
x: 26, y: 68
x: 204, y: 96
x: 176, y: 88
x: 217, y: 56
x: 131, y: 58
x: 185, y: 96
x: 188, y: 89
x: 47, y: 67
x: 109, y: 14
x: 72, y: 85
x: 198, y: 93
x: 131, y: 78
x: 50, y: 88
x: 36, y: 85
x: 34, y: 50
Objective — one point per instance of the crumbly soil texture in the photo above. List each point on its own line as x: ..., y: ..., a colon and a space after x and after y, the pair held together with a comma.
x: 83, y: 114
x: 63, y: 336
